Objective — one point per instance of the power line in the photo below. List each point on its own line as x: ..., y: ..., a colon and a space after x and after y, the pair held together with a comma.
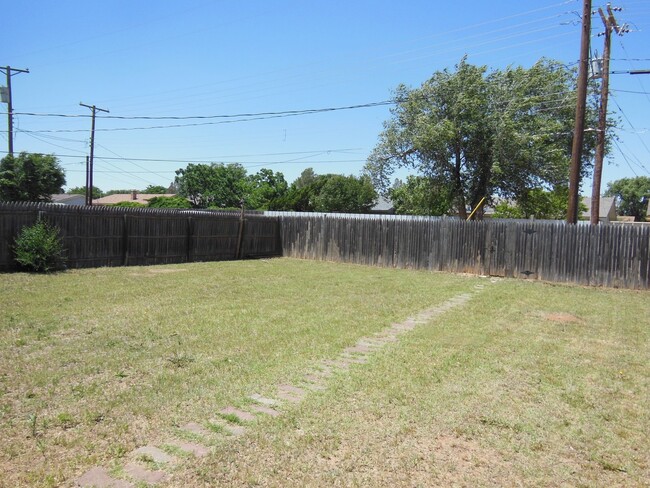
x: 232, y: 118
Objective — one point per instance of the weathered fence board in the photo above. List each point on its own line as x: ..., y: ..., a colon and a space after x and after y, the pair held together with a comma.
x: 104, y: 236
x: 603, y: 255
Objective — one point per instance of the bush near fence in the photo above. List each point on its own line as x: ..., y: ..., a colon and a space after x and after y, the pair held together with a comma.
x: 603, y: 255
x: 111, y: 236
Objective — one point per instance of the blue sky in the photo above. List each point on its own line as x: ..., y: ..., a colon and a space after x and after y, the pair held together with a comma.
x: 219, y: 57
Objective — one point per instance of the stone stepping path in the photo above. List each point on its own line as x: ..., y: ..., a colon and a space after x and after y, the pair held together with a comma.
x: 231, y: 418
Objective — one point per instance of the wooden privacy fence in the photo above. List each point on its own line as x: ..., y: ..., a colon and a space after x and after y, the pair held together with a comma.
x: 603, y: 255
x: 111, y: 236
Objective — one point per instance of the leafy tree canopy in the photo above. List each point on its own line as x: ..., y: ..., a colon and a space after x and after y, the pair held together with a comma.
x: 155, y: 189
x: 420, y: 196
x: 168, y: 202
x: 329, y: 193
x: 537, y: 203
x: 118, y: 192
x: 30, y: 178
x: 306, y: 178
x: 81, y: 190
x: 212, y: 185
x: 227, y: 186
x: 481, y: 133
x: 129, y: 204
x: 345, y: 194
x: 264, y: 188
x: 632, y: 196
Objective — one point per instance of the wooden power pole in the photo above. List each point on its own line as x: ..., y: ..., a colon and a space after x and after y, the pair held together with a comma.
x: 611, y: 25
x: 9, y: 71
x: 579, y: 126
x: 89, y: 165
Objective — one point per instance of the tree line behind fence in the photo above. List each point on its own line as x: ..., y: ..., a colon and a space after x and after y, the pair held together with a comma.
x: 105, y: 236
x: 603, y: 255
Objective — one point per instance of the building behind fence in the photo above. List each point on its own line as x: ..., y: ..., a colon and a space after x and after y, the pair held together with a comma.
x: 603, y: 255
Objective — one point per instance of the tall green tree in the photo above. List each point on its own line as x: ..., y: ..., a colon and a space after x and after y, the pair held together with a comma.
x: 306, y: 178
x: 168, y: 202
x: 537, y: 203
x: 155, y: 189
x: 264, y: 188
x: 420, y: 196
x: 345, y: 194
x: 30, y: 178
x: 329, y: 193
x: 632, y: 196
x: 81, y: 190
x: 213, y: 185
x: 481, y: 133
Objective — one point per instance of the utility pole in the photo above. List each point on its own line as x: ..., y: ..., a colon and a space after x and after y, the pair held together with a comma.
x: 579, y: 126
x: 89, y: 165
x: 611, y: 25
x: 9, y: 71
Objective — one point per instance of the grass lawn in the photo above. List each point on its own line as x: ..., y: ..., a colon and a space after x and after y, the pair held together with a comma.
x: 526, y: 384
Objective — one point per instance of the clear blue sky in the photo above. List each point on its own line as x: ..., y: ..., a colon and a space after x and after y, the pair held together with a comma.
x: 219, y: 57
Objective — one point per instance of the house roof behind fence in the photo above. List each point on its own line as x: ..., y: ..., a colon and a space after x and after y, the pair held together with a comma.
x: 142, y: 198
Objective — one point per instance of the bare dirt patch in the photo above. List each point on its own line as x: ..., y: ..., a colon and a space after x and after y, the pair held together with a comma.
x: 562, y: 317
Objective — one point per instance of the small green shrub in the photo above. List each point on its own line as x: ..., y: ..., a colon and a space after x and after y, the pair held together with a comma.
x: 38, y: 248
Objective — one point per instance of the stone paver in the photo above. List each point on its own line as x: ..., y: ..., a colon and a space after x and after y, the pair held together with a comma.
x: 288, y: 397
x: 266, y: 410
x: 197, y: 449
x: 158, y: 455
x: 353, y: 358
x: 314, y: 378
x: 240, y: 414
x: 232, y: 429
x: 141, y: 474
x: 337, y: 364
x: 315, y: 387
x: 269, y: 402
x: 195, y: 428
x: 293, y: 390
x: 358, y: 349
x: 99, y: 478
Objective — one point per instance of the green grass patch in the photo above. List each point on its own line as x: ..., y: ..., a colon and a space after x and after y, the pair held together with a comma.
x: 98, y: 358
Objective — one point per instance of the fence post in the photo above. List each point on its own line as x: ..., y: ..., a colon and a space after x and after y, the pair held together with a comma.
x: 240, y: 237
x: 190, y: 231
x: 125, y: 242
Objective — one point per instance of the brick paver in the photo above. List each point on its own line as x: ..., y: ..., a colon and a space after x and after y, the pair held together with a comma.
x: 240, y: 414
x: 197, y: 449
x: 266, y: 410
x: 99, y: 478
x: 158, y: 455
x: 141, y: 474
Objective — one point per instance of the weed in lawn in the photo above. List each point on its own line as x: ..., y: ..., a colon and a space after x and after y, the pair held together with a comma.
x: 66, y: 420
x: 180, y: 359
x: 231, y: 417
x: 118, y: 451
x: 217, y: 428
x: 33, y: 425
x: 149, y: 461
